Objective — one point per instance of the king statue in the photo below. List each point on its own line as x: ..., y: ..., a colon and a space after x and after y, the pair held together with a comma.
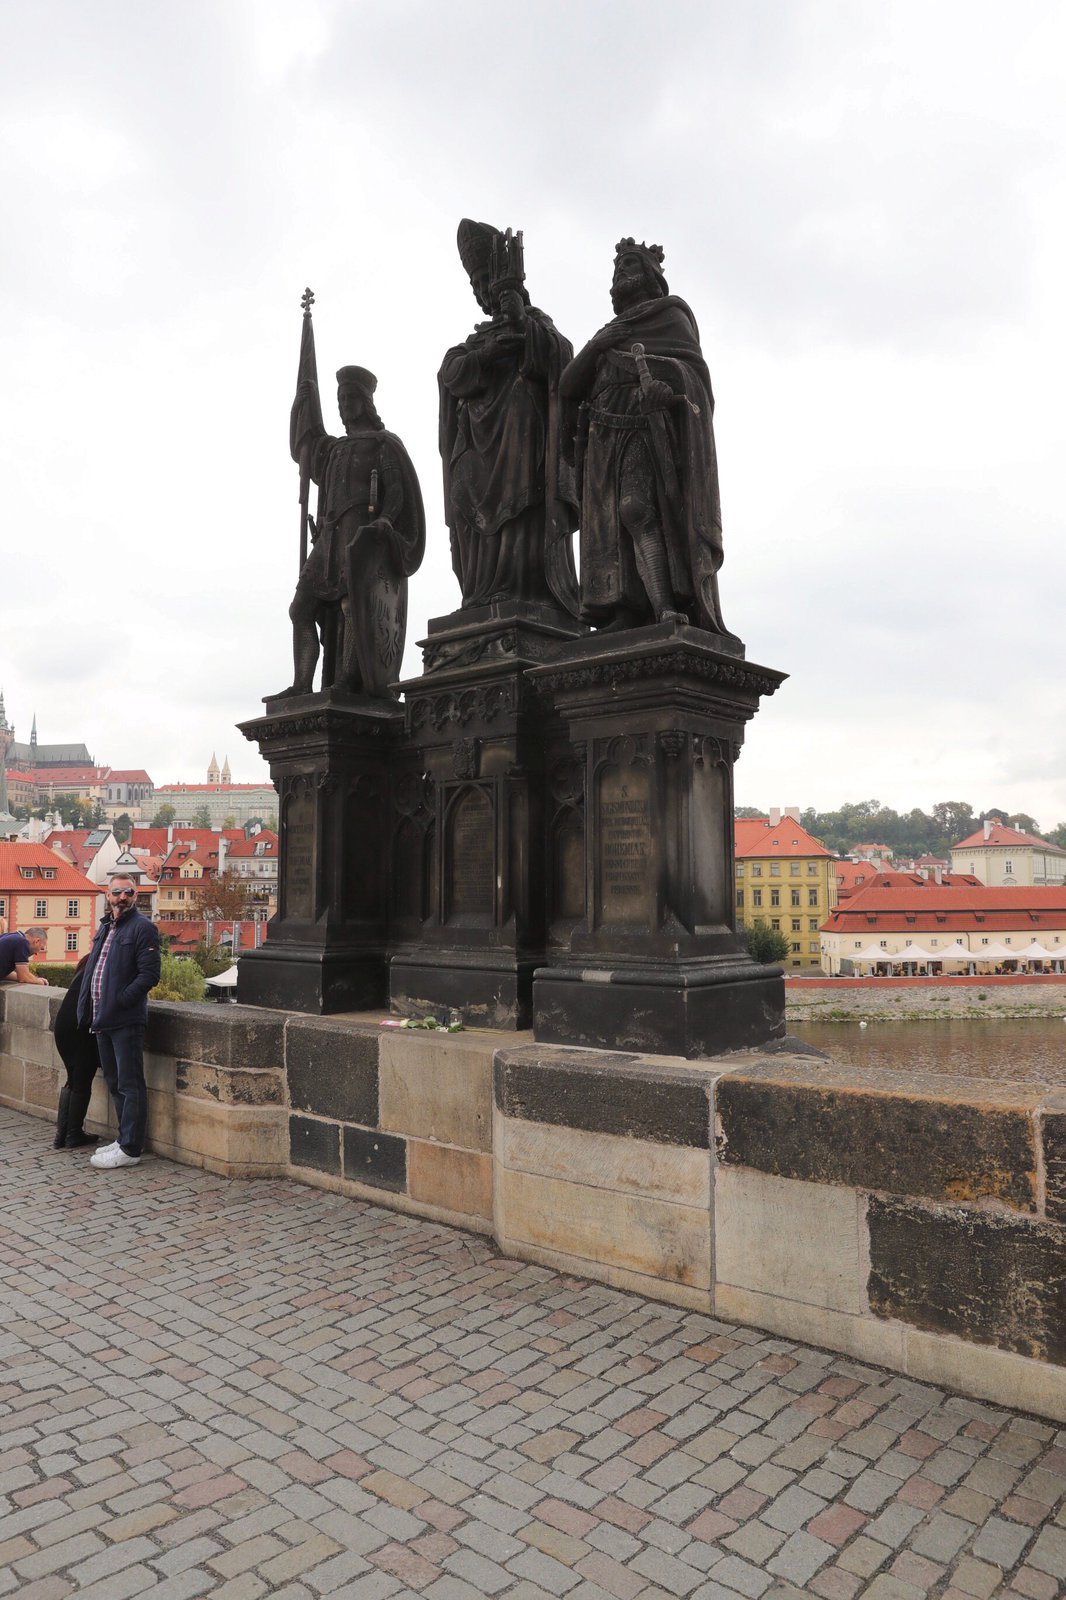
x: 647, y: 474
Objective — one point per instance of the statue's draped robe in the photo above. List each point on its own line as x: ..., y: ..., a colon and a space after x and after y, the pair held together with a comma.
x: 680, y: 440
x: 508, y: 483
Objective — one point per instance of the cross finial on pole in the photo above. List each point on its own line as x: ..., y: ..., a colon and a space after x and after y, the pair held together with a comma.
x: 307, y: 300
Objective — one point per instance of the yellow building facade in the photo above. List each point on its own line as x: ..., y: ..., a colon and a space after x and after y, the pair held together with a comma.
x: 787, y: 879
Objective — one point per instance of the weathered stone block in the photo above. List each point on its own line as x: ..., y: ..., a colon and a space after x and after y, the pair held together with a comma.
x: 31, y: 1043
x: 867, y: 1338
x: 332, y: 1070
x: 453, y: 1180
x: 436, y: 1087
x: 605, y: 1094
x: 231, y: 1086
x: 903, y: 1143
x: 379, y: 1159
x: 12, y: 1076
x: 606, y: 1161
x: 227, y: 1036
x: 238, y: 1140
x: 314, y: 1144
x: 28, y: 1005
x: 996, y: 1375
x: 799, y: 1241
x: 1054, y: 1135
x: 644, y: 1236
x: 979, y: 1275
x: 42, y: 1085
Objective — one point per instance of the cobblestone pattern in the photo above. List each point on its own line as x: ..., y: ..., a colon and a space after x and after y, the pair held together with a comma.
x: 245, y: 1389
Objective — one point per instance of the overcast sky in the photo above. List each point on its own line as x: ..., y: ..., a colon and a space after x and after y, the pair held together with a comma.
x: 865, y: 205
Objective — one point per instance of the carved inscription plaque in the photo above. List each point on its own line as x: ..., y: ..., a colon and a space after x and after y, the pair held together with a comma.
x: 299, y: 845
x: 624, y: 843
x: 470, y: 855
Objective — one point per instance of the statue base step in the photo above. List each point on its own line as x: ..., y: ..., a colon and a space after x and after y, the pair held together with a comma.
x: 693, y: 1009
x: 488, y: 991
x: 316, y: 981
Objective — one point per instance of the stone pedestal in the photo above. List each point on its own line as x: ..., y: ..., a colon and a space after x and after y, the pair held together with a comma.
x: 655, y: 721
x: 468, y: 877
x: 326, y: 948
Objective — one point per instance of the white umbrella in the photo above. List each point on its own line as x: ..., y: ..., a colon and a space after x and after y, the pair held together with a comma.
x: 225, y: 980
x: 873, y: 952
x: 955, y: 952
x: 1036, y: 952
x: 913, y: 952
x: 995, y: 952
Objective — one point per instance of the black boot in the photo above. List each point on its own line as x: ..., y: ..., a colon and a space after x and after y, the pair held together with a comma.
x: 76, y: 1135
x: 62, y: 1118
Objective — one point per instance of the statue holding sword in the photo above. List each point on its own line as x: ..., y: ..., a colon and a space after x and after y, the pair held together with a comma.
x: 368, y: 538
x: 646, y: 469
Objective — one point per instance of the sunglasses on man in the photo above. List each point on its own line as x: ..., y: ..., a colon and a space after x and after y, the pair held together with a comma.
x: 123, y: 894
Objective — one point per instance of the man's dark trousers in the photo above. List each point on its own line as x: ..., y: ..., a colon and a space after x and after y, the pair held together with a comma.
x: 122, y: 1064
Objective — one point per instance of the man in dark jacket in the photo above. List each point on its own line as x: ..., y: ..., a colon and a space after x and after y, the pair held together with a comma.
x: 123, y: 965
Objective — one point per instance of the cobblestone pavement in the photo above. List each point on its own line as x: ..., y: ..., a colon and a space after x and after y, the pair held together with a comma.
x: 243, y: 1389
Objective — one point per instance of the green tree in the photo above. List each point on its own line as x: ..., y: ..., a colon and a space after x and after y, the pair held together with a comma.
x: 201, y: 817
x: 123, y: 826
x: 748, y: 813
x: 230, y: 821
x: 179, y: 979
x: 164, y: 817
x: 1024, y: 822
x: 1058, y: 836
x: 221, y: 899
x: 211, y: 958
x: 766, y: 943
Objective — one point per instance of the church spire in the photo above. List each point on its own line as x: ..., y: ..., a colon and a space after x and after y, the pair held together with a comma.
x: 227, y: 776
x: 213, y: 775
x: 33, y: 733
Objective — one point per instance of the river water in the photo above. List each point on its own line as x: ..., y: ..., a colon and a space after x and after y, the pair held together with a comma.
x: 1007, y: 1050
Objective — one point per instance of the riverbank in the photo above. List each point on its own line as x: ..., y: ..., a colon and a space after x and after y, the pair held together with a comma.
x: 919, y: 999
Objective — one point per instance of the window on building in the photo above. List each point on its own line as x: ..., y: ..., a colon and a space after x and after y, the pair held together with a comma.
x: 740, y: 869
x: 740, y: 898
x: 812, y: 897
x: 50, y: 872
x: 72, y: 940
x: 775, y: 869
x: 812, y: 869
x: 795, y: 946
x: 1008, y: 867
x: 775, y: 923
x: 794, y: 898
x: 883, y: 943
x: 984, y: 941
x: 812, y: 924
x: 796, y: 924
x: 181, y: 894
x: 40, y: 908
x: 1006, y: 940
x: 26, y: 872
x: 814, y: 947
x: 858, y: 944
x: 756, y: 869
x: 756, y: 897
x: 794, y: 869
x: 73, y: 908
x: 775, y: 897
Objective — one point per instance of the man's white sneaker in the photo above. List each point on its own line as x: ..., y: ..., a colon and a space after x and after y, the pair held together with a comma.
x: 115, y: 1156
x: 104, y: 1148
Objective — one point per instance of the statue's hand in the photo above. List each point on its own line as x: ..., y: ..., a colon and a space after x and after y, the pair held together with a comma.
x: 513, y: 308
x: 655, y: 396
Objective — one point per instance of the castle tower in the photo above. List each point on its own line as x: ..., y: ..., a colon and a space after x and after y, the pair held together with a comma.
x: 213, y: 775
x: 227, y: 776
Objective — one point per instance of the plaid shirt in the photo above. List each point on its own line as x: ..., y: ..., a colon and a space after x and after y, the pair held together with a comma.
x: 98, y: 970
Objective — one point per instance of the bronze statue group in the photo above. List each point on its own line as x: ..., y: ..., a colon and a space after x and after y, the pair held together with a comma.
x: 536, y: 443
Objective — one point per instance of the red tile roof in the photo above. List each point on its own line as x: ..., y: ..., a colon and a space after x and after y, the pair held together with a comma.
x: 753, y: 836
x: 67, y: 880
x: 1001, y: 836
x: 58, y: 776
x: 952, y: 905
x: 261, y: 844
x: 185, y: 936
x: 133, y: 775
